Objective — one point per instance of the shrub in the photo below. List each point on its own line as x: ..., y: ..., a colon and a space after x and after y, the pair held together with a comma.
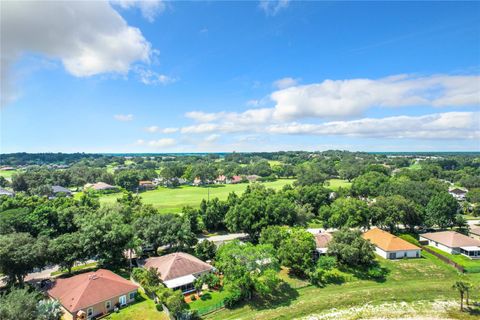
x: 327, y: 262
x: 334, y: 276
x: 233, y: 296
x: 376, y: 272
x: 159, y: 307
x: 193, y: 297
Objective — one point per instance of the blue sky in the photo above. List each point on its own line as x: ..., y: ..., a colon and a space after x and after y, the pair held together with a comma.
x: 130, y: 76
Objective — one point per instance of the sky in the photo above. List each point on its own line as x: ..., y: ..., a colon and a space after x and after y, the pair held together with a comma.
x: 155, y: 76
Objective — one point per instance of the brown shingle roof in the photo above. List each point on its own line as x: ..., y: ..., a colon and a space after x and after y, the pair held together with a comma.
x: 176, y: 265
x: 387, y: 241
x: 451, y: 239
x: 322, y: 239
x: 87, y: 289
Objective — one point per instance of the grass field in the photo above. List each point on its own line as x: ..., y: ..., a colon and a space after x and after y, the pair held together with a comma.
x: 410, y: 281
x: 335, y: 184
x: 416, y: 166
x: 143, y: 309
x: 469, y: 264
x: 173, y: 200
x: 207, y: 300
x: 7, y: 173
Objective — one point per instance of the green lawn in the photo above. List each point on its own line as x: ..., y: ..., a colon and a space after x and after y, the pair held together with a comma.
x: 470, y: 265
x: 8, y: 173
x: 143, y: 309
x: 83, y: 267
x: 335, y: 184
x: 415, y: 166
x: 209, y: 299
x: 173, y: 200
x: 274, y: 163
x: 424, y: 279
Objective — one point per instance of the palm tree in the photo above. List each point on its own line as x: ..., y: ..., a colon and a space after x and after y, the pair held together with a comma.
x: 462, y: 287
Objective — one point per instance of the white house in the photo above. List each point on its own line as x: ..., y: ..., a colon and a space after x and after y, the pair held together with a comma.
x: 389, y: 246
x: 453, y: 242
x: 458, y: 193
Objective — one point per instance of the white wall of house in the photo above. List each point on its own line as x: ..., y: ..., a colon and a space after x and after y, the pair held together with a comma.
x: 439, y: 246
x: 398, y: 254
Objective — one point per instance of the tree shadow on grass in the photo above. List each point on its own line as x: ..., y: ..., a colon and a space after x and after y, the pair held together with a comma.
x: 282, y: 296
x: 206, y: 296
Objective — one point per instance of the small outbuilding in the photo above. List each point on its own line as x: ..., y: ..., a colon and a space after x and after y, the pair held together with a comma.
x: 390, y: 246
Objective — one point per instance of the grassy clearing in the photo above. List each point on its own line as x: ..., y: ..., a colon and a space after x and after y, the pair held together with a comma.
x: 83, y: 267
x: 415, y: 166
x: 274, y: 163
x: 173, y: 200
x: 335, y: 184
x: 144, y: 309
x: 208, y: 299
x: 7, y: 173
x: 424, y: 279
x: 471, y: 266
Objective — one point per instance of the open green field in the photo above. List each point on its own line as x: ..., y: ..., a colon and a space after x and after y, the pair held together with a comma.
x: 7, y: 173
x: 415, y: 166
x: 274, y: 163
x: 174, y: 199
x: 469, y: 264
x: 335, y: 184
x: 411, y: 281
x: 143, y: 309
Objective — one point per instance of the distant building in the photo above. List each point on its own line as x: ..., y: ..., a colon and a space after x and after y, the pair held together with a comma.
x: 5, y: 192
x: 197, y: 181
x: 6, y: 168
x: 92, y: 294
x: 146, y: 185
x: 389, y: 246
x: 179, y: 270
x: 57, y: 190
x: 253, y: 178
x: 236, y: 179
x: 221, y: 179
x: 458, y: 193
x: 453, y: 242
x: 322, y: 240
x: 99, y: 186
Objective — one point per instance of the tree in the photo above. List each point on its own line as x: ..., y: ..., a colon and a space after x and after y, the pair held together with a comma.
x: 205, y: 250
x: 127, y: 179
x: 369, y: 184
x: 351, y: 249
x: 441, y: 210
x: 314, y: 195
x: 392, y: 210
x: 66, y: 249
x: 473, y: 195
x: 49, y: 310
x: 106, y: 234
x: 463, y: 288
x: 296, y: 251
x: 346, y: 212
x: 19, y: 304
x: 310, y: 173
x: 20, y: 253
x: 213, y: 213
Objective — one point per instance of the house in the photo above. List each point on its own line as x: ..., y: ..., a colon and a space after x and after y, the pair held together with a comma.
x: 179, y: 270
x: 253, y: 178
x: 389, y: 246
x: 474, y: 232
x: 6, y: 168
x: 5, y: 192
x: 146, y: 185
x: 57, y: 190
x: 92, y: 294
x: 221, y: 179
x: 236, y: 179
x: 458, y: 193
x: 321, y: 240
x: 197, y: 181
x: 453, y: 242
x: 99, y: 186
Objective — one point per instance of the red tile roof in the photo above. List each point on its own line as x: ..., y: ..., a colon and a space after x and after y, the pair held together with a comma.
x: 175, y: 265
x: 451, y: 239
x: 322, y: 239
x: 387, y: 241
x: 87, y: 289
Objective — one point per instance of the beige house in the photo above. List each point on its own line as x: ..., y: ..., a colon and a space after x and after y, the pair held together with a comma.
x: 92, y: 294
x: 453, y: 242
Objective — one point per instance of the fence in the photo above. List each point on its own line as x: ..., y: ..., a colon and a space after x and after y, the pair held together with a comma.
x: 445, y: 259
x: 212, y: 308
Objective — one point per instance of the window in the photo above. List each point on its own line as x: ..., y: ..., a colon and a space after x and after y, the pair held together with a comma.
x: 122, y: 300
x: 108, y: 305
x: 392, y: 255
x: 132, y: 295
x: 89, y: 312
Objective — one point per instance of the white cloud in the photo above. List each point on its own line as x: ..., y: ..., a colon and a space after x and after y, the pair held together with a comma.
x: 123, y: 117
x: 212, y: 138
x: 154, y: 129
x: 150, y: 77
x: 149, y: 8
x: 260, y: 115
x: 449, y: 125
x: 160, y: 143
x: 272, y: 7
x: 351, y: 97
x: 88, y: 37
x: 285, y: 83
